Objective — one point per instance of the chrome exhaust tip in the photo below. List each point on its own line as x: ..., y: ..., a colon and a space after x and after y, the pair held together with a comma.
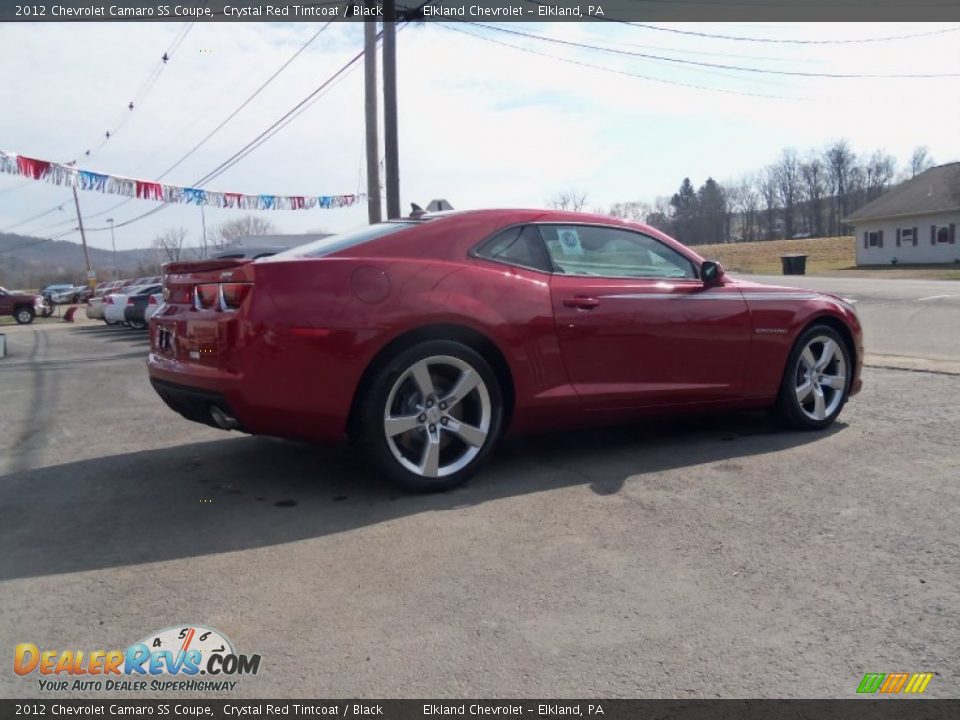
x: 227, y: 422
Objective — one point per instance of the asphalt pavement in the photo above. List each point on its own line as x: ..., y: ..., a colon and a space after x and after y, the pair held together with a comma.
x: 716, y: 556
x: 910, y: 324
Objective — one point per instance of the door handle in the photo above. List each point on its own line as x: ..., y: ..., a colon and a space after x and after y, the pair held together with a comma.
x: 581, y: 302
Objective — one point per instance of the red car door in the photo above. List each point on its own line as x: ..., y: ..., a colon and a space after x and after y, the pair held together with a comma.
x: 636, y: 327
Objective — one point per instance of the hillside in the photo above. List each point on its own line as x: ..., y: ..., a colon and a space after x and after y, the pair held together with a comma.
x: 27, y: 262
x: 823, y: 254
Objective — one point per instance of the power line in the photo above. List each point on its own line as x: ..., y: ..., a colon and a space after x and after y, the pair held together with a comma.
x: 220, y: 126
x: 31, y: 219
x: 145, y: 87
x: 788, y: 41
x: 262, y: 137
x: 245, y: 102
x: 604, y: 68
x: 721, y: 66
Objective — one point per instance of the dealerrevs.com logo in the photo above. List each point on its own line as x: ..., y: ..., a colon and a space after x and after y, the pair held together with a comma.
x: 179, y: 658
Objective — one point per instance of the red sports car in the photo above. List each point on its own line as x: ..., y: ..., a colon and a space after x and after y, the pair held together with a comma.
x: 426, y: 339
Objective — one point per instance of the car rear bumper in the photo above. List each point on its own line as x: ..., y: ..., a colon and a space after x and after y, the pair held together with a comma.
x: 193, y: 403
x: 259, y: 401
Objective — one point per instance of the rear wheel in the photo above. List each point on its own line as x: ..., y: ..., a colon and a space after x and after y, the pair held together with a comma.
x: 431, y: 415
x: 137, y: 324
x: 816, y: 381
x: 23, y: 315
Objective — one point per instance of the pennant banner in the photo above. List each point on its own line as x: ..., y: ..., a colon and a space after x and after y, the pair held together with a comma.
x: 60, y: 174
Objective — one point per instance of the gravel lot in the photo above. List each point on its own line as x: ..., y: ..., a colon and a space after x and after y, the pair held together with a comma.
x: 704, y: 557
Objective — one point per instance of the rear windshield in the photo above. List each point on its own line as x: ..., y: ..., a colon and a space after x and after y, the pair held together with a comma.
x: 336, y: 243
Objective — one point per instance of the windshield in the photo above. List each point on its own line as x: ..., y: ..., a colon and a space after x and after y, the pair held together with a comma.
x: 335, y: 243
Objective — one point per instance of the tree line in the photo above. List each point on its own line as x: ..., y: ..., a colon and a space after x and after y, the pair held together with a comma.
x: 796, y: 196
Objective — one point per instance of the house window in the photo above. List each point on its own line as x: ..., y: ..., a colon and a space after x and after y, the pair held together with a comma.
x: 876, y: 239
x: 906, y: 236
x: 943, y: 234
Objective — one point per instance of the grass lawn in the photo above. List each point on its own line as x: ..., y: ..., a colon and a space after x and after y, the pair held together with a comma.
x: 825, y: 256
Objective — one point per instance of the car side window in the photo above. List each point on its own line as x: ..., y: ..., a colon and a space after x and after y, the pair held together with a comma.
x: 517, y: 246
x: 612, y: 252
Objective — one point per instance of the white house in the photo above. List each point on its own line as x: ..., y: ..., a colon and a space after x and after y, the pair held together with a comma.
x: 916, y: 222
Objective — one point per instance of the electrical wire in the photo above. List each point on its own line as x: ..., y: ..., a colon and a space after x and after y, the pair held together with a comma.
x: 220, y: 126
x: 31, y: 219
x: 788, y: 41
x: 616, y: 71
x: 722, y: 66
x: 145, y: 87
x: 261, y: 138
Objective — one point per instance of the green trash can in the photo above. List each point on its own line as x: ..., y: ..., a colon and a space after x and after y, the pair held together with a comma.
x: 795, y: 264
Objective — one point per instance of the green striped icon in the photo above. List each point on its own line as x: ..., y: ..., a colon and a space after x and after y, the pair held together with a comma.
x: 893, y: 683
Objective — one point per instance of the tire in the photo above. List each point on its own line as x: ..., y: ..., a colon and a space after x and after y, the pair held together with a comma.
x: 816, y: 380
x: 137, y: 324
x: 23, y: 315
x: 441, y: 435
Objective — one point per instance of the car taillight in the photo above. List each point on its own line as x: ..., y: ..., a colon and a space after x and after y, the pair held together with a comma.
x: 130, y: 301
x: 233, y: 294
x: 109, y: 300
x: 152, y: 300
x: 205, y: 297
x: 222, y: 296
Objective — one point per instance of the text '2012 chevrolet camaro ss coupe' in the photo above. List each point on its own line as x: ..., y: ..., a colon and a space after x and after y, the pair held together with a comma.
x: 427, y: 339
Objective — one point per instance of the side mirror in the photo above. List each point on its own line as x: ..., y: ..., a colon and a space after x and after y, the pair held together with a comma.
x: 711, y: 272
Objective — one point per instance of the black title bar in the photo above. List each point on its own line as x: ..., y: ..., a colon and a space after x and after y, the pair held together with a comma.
x: 481, y: 10
x: 861, y: 709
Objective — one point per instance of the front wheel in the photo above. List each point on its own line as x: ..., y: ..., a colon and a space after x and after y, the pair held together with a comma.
x: 816, y: 382
x: 431, y: 415
x: 23, y: 315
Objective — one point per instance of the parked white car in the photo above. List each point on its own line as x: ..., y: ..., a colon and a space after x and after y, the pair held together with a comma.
x: 115, y: 304
x: 153, y: 304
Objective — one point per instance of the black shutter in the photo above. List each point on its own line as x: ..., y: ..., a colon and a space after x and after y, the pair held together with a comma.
x: 898, y: 237
x: 866, y: 240
x: 880, y: 238
x: 916, y: 236
x: 953, y: 233
x: 933, y: 234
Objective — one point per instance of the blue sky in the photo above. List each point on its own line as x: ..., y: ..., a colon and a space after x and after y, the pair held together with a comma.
x: 481, y: 124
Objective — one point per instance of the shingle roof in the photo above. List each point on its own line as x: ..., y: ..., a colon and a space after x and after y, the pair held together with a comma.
x: 932, y: 191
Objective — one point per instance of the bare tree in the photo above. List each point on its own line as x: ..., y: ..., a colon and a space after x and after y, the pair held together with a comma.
x: 661, y: 215
x: 879, y: 173
x: 920, y: 160
x: 568, y: 200
x: 169, y: 245
x: 814, y: 187
x: 230, y: 233
x: 632, y: 210
x: 745, y: 204
x: 787, y: 175
x: 767, y: 184
x: 841, y: 161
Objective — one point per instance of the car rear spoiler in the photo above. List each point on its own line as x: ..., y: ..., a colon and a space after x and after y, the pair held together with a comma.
x: 199, y: 266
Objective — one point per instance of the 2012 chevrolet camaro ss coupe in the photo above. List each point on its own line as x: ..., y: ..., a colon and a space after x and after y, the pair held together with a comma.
x: 426, y: 339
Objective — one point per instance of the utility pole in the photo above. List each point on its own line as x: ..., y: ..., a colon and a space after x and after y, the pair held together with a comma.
x: 203, y: 221
x: 374, y: 209
x: 83, y: 238
x: 390, y: 133
x: 113, y: 243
